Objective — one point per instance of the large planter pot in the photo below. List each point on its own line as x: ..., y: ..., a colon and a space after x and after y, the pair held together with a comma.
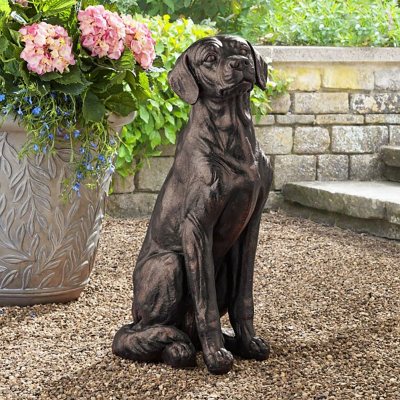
x: 47, y: 244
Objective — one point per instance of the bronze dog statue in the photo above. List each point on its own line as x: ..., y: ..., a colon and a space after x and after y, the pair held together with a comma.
x: 197, y: 259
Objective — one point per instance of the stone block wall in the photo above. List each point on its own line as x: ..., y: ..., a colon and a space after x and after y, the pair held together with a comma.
x: 343, y: 104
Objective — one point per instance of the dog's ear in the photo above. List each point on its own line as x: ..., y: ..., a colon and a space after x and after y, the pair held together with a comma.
x: 182, y: 80
x: 261, y: 68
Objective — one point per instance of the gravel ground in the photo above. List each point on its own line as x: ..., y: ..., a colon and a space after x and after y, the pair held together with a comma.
x: 326, y: 299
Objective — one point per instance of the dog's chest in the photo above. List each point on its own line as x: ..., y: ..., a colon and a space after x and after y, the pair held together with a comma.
x: 241, y: 191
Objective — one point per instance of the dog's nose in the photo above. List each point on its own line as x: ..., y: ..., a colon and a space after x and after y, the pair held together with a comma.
x: 239, y: 63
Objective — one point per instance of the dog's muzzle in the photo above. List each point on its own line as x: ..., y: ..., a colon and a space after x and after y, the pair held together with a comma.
x: 238, y: 63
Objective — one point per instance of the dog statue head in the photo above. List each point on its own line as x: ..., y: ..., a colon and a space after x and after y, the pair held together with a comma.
x: 217, y: 67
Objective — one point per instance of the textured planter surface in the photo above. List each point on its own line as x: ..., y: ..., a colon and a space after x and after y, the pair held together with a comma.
x: 47, y: 245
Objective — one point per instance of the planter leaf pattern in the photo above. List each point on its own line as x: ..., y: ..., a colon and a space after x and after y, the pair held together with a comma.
x: 45, y: 243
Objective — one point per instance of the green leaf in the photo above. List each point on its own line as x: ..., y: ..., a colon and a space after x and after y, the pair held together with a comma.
x: 118, y: 78
x: 144, y: 113
x: 144, y: 81
x: 169, y: 106
x: 170, y: 133
x: 126, y: 62
x: 73, y: 89
x: 12, y: 67
x: 3, y: 44
x: 54, y: 7
x: 122, y: 103
x: 170, y: 4
x: 123, y: 151
x: 93, y: 108
x: 73, y: 76
x: 4, y: 6
x: 159, y: 47
x: 131, y: 79
x: 50, y: 76
x: 16, y: 36
x: 116, y: 89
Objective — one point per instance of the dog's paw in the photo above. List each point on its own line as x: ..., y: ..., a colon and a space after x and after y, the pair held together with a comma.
x: 219, y: 362
x: 180, y: 355
x: 256, y: 348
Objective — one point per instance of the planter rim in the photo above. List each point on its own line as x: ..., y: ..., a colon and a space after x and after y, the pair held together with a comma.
x: 320, y: 54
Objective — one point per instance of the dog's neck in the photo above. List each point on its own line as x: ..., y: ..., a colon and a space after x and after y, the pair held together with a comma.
x: 226, y: 113
x: 230, y: 118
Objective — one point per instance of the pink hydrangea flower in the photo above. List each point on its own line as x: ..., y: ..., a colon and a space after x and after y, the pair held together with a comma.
x: 103, y: 32
x: 22, y: 3
x: 47, y: 48
x: 139, y: 41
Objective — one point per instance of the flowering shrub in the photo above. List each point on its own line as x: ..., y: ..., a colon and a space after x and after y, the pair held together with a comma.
x: 64, y: 67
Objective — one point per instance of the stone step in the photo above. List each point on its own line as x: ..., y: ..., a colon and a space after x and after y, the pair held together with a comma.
x: 372, y: 207
x: 392, y: 173
x: 391, y: 155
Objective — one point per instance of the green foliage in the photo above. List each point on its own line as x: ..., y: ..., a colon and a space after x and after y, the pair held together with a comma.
x: 4, y: 6
x: 197, y: 10
x: 287, y: 22
x: 323, y: 23
x: 161, y: 113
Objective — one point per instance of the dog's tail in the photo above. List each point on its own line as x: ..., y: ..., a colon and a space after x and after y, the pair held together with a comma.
x: 155, y: 343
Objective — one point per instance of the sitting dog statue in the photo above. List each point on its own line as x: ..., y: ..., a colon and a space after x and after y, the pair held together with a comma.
x: 197, y: 259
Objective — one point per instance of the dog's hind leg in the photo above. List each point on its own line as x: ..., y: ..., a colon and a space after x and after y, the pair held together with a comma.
x: 158, y: 310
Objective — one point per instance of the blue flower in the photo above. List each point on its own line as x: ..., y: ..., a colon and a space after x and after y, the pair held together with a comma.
x: 66, y: 136
x: 44, y: 129
x: 111, y: 169
x: 20, y: 112
x: 89, y: 167
x: 51, y: 136
x: 28, y: 99
x: 79, y: 176
x: 35, y: 147
x: 102, y: 158
x: 112, y: 141
x: 2, y: 97
x: 76, y: 186
x: 77, y: 133
x: 81, y: 150
x: 93, y: 144
x: 36, y: 111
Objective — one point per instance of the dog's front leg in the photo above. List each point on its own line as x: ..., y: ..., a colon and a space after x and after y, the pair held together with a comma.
x: 241, y: 308
x: 197, y: 247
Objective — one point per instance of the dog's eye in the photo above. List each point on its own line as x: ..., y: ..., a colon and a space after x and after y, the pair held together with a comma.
x: 210, y: 58
x: 243, y: 52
